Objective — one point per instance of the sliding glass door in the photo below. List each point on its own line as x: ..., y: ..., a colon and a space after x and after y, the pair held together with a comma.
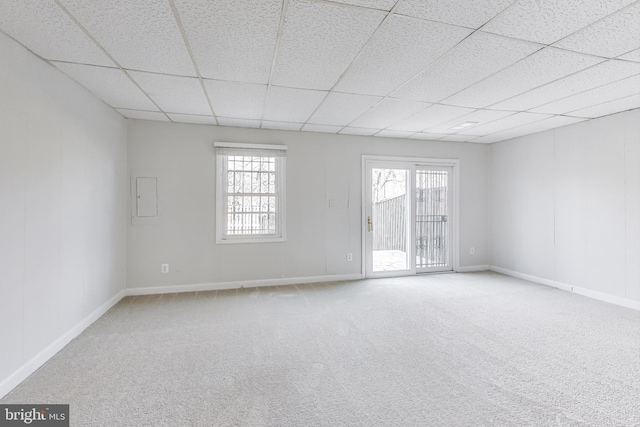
x: 408, y: 227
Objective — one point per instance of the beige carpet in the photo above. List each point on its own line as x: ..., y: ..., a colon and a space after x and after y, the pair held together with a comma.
x: 477, y: 349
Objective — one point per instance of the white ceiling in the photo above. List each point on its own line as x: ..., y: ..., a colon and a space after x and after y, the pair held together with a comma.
x: 405, y: 69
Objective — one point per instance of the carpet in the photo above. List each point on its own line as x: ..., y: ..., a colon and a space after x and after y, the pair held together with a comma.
x: 474, y: 349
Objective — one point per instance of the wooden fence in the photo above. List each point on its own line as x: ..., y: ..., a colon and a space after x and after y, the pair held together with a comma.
x: 389, y: 231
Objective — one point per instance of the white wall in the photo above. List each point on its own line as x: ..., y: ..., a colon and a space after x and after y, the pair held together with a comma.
x: 565, y: 205
x: 62, y: 206
x: 320, y: 167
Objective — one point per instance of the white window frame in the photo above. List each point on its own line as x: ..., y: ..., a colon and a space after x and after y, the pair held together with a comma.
x: 255, y: 150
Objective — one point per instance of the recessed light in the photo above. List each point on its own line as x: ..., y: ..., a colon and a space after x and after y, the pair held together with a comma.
x: 464, y: 125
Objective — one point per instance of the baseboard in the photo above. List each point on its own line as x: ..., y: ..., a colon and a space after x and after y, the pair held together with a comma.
x: 601, y: 296
x: 240, y: 284
x: 48, y: 352
x: 471, y: 268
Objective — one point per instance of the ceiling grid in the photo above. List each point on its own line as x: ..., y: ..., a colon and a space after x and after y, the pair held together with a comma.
x: 412, y: 69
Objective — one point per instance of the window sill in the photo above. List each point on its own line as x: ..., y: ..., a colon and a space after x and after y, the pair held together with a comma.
x: 237, y: 240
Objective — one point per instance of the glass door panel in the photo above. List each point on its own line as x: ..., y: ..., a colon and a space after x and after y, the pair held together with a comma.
x: 432, y: 220
x: 388, y: 224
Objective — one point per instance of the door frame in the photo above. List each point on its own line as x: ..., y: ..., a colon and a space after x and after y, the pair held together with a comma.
x: 411, y: 162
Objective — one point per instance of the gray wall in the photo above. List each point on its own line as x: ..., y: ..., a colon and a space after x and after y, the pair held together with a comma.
x: 62, y: 205
x: 565, y: 205
x: 320, y: 167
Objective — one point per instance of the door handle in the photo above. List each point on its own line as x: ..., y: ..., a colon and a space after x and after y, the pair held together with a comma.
x: 369, y: 224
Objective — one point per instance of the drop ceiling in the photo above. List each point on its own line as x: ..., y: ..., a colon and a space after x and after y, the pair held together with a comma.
x: 413, y: 69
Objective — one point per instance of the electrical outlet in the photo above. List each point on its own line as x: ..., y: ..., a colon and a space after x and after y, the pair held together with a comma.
x: 164, y: 268
x: 349, y: 256
x: 472, y: 251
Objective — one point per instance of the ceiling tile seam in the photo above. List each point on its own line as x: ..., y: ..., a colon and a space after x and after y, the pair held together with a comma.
x: 618, y: 58
x: 185, y: 39
x: 51, y: 64
x: 601, y: 103
x: 626, y: 53
x: 389, y: 96
x: 517, y: 62
x: 42, y: 58
x: 621, y: 10
x: 349, y: 6
x: 527, y: 134
x: 434, y: 21
x: 353, y: 61
x: 95, y: 41
x: 309, y: 89
x: 544, y: 45
x: 412, y: 114
x: 564, y: 97
x: 142, y: 111
x: 550, y: 44
x: 518, y: 126
x: 444, y: 104
x: 498, y: 14
x: 391, y: 130
x: 477, y: 125
x: 274, y: 57
x: 431, y: 64
x: 449, y: 120
x: 581, y: 53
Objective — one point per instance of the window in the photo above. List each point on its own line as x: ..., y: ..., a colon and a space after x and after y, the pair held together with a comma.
x: 250, y: 192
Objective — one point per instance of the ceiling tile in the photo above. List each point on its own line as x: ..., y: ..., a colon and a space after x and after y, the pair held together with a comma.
x: 140, y: 35
x: 281, y: 125
x: 547, y: 21
x: 373, y: 4
x: 427, y: 136
x: 509, y: 122
x: 321, y: 128
x: 600, y: 74
x: 358, y: 131
x: 472, y: 14
x: 291, y: 105
x: 429, y: 117
x: 319, y: 41
x: 143, y: 115
x: 387, y: 133
x: 613, y: 36
x: 606, y: 93
x: 540, y: 68
x: 57, y: 36
x: 231, y: 99
x: 174, y: 94
x: 634, y: 55
x: 469, y: 62
x: 478, y: 116
x: 611, y: 107
x: 400, y: 49
x: 458, y: 138
x: 242, y: 123
x: 232, y: 39
x: 342, y: 108
x: 540, y: 126
x: 191, y: 118
x: 388, y: 112
x: 109, y: 84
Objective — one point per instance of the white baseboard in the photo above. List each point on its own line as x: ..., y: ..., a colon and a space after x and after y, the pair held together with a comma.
x: 471, y: 268
x: 240, y: 284
x: 48, y: 352
x: 601, y: 296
